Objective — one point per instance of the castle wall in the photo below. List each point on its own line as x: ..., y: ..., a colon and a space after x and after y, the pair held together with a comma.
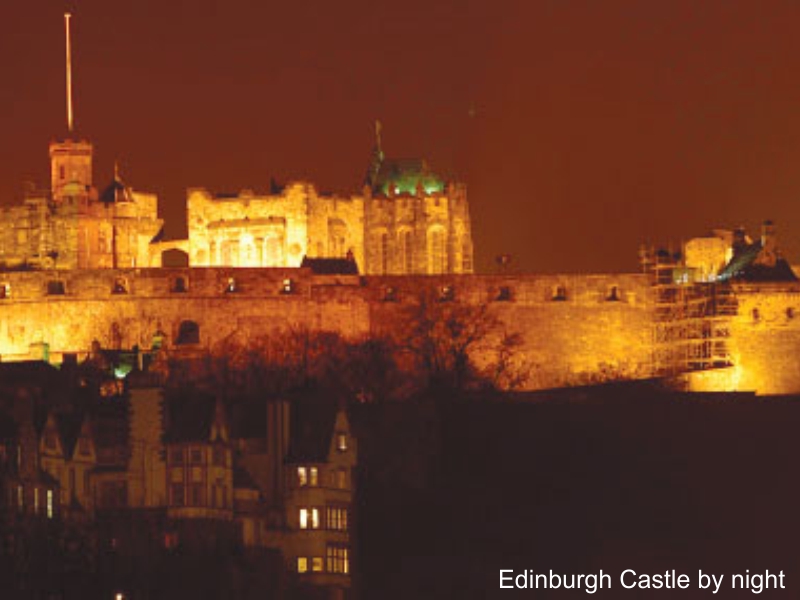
x: 574, y: 329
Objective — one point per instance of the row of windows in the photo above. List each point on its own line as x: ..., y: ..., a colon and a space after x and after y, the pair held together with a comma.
x: 335, y: 518
x: 179, y: 285
x: 337, y: 560
x: 42, y: 502
x: 309, y: 477
x: 446, y: 293
x: 756, y: 314
x: 195, y: 495
x: 196, y: 456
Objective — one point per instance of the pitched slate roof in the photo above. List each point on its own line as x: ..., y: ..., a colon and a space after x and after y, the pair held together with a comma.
x: 312, y: 422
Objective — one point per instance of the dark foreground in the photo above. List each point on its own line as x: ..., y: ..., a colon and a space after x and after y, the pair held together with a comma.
x: 612, y: 478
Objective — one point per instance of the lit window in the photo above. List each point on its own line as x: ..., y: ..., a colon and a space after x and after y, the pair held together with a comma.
x: 336, y: 518
x: 309, y: 518
x: 341, y: 479
x: 230, y: 287
x: 446, y: 293
x: 341, y: 442
x: 338, y: 560
x: 302, y: 476
x: 313, y: 476
x: 49, y: 504
x: 302, y: 564
x: 316, y: 564
x: 36, y: 500
x: 5, y: 291
x: 287, y: 286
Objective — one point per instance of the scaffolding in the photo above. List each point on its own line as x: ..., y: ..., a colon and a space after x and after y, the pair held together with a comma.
x: 691, y: 319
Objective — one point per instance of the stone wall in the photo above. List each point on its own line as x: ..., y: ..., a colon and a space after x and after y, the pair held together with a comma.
x: 575, y: 329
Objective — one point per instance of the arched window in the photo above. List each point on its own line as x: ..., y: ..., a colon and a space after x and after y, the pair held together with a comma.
x: 274, y: 251
x: 188, y: 333
x: 406, y: 251
x: 437, y: 251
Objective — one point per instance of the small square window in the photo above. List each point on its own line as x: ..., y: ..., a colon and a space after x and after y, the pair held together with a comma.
x: 302, y: 564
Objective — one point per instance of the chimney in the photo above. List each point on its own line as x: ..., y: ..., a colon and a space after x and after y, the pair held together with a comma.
x: 278, y: 412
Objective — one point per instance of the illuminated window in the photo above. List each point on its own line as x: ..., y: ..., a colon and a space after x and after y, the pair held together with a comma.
x: 341, y: 442
x: 406, y: 251
x: 336, y: 518
x: 179, y: 285
x: 36, y: 500
x: 316, y: 564
x: 230, y: 286
x: 437, y: 251
x: 313, y: 476
x: 302, y: 564
x: 309, y: 518
x: 5, y: 291
x: 188, y: 333
x: 55, y: 288
x: 302, y: 476
x: 287, y: 287
x: 49, y: 504
x: 559, y: 293
x: 338, y: 560
x: 340, y: 480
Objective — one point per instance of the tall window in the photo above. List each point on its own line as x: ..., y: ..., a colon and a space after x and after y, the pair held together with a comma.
x: 406, y: 251
x: 338, y: 559
x: 437, y: 251
x: 309, y: 518
x: 336, y: 518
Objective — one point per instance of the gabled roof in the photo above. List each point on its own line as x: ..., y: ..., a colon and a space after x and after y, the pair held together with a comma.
x: 330, y: 266
x: 192, y: 419
x: 312, y: 424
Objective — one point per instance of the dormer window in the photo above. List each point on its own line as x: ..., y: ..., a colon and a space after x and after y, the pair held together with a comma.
x: 341, y: 442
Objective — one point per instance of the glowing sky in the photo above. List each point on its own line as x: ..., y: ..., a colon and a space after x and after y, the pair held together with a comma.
x: 581, y: 128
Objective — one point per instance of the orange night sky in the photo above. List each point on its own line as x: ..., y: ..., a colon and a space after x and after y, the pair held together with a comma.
x: 582, y: 128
